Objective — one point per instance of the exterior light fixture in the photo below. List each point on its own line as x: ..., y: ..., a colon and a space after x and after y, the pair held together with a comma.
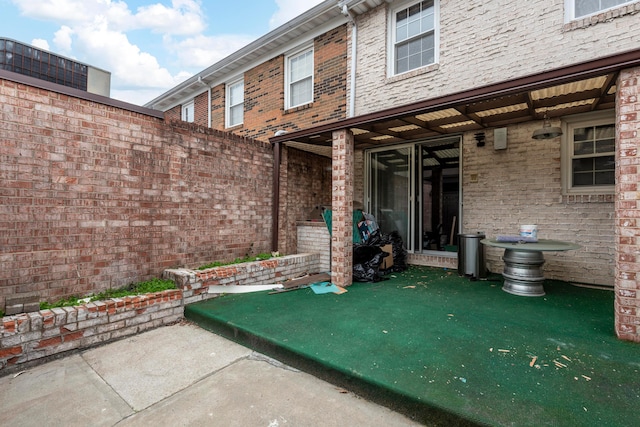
x: 547, y: 131
x: 479, y: 137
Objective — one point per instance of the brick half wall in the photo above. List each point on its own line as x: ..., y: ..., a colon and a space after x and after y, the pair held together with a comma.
x: 28, y: 339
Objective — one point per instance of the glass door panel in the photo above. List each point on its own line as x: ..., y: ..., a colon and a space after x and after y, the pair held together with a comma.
x: 390, y: 190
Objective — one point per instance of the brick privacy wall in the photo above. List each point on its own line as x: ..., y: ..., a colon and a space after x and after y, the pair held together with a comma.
x: 96, y: 197
x: 487, y: 42
x: 627, y: 227
x: 522, y: 185
x: 30, y: 338
x: 308, y: 188
x: 264, y: 93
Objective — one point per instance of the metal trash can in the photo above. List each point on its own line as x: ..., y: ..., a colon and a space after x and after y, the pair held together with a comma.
x: 471, y: 261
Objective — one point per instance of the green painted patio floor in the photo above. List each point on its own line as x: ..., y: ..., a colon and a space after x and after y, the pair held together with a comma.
x: 444, y: 349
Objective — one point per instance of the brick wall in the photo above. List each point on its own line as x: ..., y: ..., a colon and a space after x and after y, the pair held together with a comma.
x: 487, y: 42
x: 264, y: 93
x: 31, y: 338
x: 196, y: 284
x: 627, y: 225
x: 308, y: 186
x: 218, y: 95
x: 313, y: 237
x: 522, y: 185
x: 201, y: 109
x: 97, y: 197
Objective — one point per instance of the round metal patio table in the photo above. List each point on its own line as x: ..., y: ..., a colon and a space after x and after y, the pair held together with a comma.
x: 523, y: 264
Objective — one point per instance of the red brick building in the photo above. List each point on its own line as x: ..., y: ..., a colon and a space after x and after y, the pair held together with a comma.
x: 443, y: 99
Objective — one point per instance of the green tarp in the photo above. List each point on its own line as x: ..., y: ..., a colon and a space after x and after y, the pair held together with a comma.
x: 357, y: 217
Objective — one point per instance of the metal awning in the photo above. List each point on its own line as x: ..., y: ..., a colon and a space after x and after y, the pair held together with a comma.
x: 569, y: 90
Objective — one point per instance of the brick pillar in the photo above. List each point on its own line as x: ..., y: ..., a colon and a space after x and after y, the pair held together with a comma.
x: 627, y: 271
x: 342, y: 207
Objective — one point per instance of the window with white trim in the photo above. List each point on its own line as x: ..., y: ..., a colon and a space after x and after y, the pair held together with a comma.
x: 235, y: 103
x: 413, y: 36
x: 589, y: 153
x: 581, y: 8
x: 188, y: 110
x: 299, y: 76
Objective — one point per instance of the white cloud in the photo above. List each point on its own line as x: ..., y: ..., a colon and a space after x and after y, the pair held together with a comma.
x: 289, y: 9
x: 99, y: 32
x: 40, y: 43
x: 184, y: 18
x: 95, y: 32
x: 63, y: 39
x: 203, y: 51
x: 128, y: 64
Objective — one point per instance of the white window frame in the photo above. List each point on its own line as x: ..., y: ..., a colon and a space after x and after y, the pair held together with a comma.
x: 288, y: 81
x: 229, y: 105
x: 391, y: 67
x: 569, y: 123
x: 188, y: 111
x: 570, y: 8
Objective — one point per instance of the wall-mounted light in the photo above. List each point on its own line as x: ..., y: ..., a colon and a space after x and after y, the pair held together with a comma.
x: 479, y: 137
x: 547, y: 131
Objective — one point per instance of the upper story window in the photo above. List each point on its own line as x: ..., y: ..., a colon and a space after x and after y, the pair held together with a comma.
x: 589, y: 153
x: 413, y: 36
x: 188, y: 111
x: 299, y: 83
x: 235, y: 103
x: 580, y: 8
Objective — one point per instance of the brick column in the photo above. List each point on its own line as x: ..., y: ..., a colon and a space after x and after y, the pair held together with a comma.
x: 342, y: 207
x: 627, y: 271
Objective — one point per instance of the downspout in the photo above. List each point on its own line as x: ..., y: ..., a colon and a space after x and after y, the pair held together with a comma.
x: 354, y: 60
x: 275, y: 191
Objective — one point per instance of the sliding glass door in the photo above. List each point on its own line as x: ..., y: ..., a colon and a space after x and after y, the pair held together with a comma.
x: 390, y: 189
x: 415, y: 189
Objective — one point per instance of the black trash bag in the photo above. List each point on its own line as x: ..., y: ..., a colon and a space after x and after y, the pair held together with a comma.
x: 399, y: 252
x: 366, y: 263
x: 364, y: 253
x: 370, y: 270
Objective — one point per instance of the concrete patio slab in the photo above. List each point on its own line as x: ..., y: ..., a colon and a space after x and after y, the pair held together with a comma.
x: 64, y: 392
x: 254, y: 392
x: 146, y: 368
x: 179, y: 375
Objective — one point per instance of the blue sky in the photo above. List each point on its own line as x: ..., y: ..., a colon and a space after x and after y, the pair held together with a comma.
x: 148, y: 46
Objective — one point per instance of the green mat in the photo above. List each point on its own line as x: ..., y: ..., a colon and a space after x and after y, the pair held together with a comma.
x: 453, y: 346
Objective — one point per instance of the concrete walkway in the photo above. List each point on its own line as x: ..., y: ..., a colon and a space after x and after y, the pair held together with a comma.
x: 179, y: 375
